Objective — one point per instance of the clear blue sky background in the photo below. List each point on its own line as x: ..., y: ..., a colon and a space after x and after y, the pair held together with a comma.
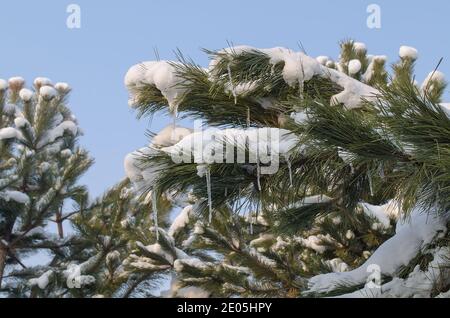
x: 117, y: 34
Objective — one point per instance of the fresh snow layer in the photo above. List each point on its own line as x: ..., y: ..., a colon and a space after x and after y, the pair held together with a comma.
x: 380, y: 59
x: 47, y: 92
x: 382, y: 213
x: 322, y: 59
x: 181, y: 221
x: 298, y: 68
x: 15, y: 196
x: 337, y: 265
x: 412, y: 235
x: 170, y: 136
x: 43, y: 281
x: 161, y: 74
x: 58, y: 132
x: 8, y: 133
x: 354, y: 66
x: 299, y: 117
x: 418, y: 284
x: 42, y: 81
x: 359, y: 47
x: 200, y: 144
x: 134, y: 168
x: 26, y: 94
x: 16, y: 83
x: 3, y: 84
x: 62, y: 87
x: 433, y: 77
x: 408, y: 52
x: 20, y: 122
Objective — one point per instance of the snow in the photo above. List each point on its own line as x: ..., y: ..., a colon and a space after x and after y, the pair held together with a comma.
x: 408, y: 52
x: 43, y: 281
x: 184, y: 292
x: 179, y: 264
x: 241, y: 89
x: 354, y: 91
x: 58, y: 132
x: 313, y: 199
x: 170, y: 135
x: 66, y: 153
x: 202, y: 170
x: 8, y: 133
x: 300, y: 117
x: 354, y: 66
x: 349, y: 235
x: 3, y: 85
x: 261, y: 258
x: 263, y: 238
x: 62, y: 87
x: 380, y: 59
x: 25, y: 94
x: 47, y: 92
x: 134, y: 168
x: 322, y: 59
x: 315, y: 242
x: 258, y: 140
x: 337, y: 265
x: 359, y: 47
x: 412, y: 235
x: 42, y: 81
x: 382, y: 213
x: 298, y: 68
x: 162, y: 75
x: 418, y: 284
x: 433, y: 77
x: 199, y: 228
x: 16, y: 196
x: 330, y: 64
x: 21, y: 122
x: 158, y: 250
x: 181, y: 221
x: 16, y: 83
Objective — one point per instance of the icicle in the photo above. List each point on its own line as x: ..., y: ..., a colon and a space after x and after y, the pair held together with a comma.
x: 301, y: 81
x: 248, y: 117
x: 301, y: 86
x: 155, y: 214
x: 289, y: 165
x: 370, y: 185
x: 208, y: 187
x: 233, y: 89
x: 226, y: 192
x: 258, y: 175
x: 174, y: 118
x: 381, y: 171
x: 258, y: 169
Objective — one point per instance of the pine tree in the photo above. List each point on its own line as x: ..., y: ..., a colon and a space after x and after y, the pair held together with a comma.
x: 359, y: 199
x: 40, y: 164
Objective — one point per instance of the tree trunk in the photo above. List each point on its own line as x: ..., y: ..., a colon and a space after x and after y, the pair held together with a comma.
x: 3, y: 253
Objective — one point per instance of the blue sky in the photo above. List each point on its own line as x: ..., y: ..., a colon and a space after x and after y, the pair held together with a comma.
x: 117, y: 34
